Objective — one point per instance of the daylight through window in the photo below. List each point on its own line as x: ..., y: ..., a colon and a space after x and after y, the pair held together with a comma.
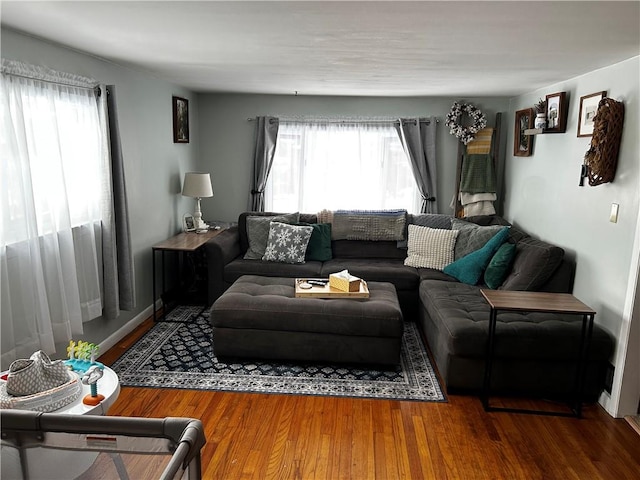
x: 340, y: 166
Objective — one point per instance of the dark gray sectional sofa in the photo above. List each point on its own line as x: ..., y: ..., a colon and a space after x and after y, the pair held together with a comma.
x: 534, y: 352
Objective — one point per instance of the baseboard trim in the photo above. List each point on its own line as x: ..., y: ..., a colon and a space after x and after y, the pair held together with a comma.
x: 634, y: 421
x: 113, y: 339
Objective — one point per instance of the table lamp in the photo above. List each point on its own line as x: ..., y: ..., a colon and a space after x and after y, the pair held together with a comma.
x: 197, y: 185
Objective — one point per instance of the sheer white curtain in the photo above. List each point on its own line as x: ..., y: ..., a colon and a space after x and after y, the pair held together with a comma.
x: 329, y: 165
x: 50, y: 201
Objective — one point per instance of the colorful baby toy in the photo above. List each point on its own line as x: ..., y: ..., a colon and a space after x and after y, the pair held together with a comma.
x: 91, y: 377
x: 82, y: 356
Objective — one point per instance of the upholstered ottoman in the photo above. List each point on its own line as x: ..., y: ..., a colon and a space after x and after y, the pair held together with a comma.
x: 259, y: 317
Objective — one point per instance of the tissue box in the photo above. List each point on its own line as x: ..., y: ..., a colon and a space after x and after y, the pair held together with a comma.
x: 346, y: 285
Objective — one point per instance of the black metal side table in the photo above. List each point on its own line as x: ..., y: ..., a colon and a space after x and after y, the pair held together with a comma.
x: 182, y: 243
x: 562, y: 303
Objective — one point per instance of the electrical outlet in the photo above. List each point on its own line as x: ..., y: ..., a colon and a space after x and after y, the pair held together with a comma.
x: 608, y: 381
x: 613, y: 217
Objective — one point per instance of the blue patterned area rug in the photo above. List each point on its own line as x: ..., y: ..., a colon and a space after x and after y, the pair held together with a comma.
x: 178, y: 353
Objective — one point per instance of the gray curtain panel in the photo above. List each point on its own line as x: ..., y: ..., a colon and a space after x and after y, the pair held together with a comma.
x: 418, y: 137
x: 266, y: 136
x: 119, y: 291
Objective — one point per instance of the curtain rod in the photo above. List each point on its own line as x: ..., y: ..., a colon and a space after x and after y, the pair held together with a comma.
x: 95, y: 88
x: 424, y: 120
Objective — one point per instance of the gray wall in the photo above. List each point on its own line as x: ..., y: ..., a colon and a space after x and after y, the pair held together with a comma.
x: 227, y: 137
x: 543, y: 196
x: 154, y: 165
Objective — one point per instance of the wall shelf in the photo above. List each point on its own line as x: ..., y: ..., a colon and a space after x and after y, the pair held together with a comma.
x: 533, y: 131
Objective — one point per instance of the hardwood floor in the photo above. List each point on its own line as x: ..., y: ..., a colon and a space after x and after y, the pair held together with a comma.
x: 254, y: 436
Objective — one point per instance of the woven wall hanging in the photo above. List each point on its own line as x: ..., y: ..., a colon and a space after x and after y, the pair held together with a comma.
x: 601, y: 159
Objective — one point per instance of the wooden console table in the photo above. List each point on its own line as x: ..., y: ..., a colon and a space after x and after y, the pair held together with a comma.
x: 563, y: 303
x: 182, y: 243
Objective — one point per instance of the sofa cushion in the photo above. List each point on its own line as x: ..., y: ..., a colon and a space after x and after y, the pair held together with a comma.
x: 319, y: 247
x: 433, y: 274
x: 367, y: 249
x: 499, y: 266
x: 376, y: 270
x: 469, y: 269
x: 533, y: 265
x: 472, y: 237
x: 461, y: 316
x: 430, y: 247
x: 238, y: 267
x: 257, y: 228
x: 287, y: 243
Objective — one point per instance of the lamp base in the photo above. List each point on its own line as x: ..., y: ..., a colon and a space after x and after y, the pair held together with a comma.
x: 197, y: 219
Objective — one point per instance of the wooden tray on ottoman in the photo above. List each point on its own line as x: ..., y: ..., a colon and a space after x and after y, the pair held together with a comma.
x: 327, y: 291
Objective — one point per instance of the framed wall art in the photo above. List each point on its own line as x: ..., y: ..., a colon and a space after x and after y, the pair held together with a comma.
x: 522, y: 143
x: 588, y: 109
x: 180, y: 120
x: 556, y: 113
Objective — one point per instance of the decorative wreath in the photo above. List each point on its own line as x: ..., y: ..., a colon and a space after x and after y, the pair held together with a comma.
x: 465, y: 134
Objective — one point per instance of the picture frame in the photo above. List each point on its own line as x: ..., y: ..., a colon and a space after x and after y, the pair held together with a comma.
x: 556, y: 113
x: 588, y: 109
x: 523, y: 143
x: 188, y: 223
x: 180, y: 120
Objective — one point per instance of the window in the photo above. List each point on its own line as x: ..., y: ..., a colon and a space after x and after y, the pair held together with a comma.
x: 55, y: 174
x: 54, y: 187
x: 340, y: 166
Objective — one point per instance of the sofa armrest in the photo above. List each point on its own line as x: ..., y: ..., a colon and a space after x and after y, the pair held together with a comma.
x: 221, y: 250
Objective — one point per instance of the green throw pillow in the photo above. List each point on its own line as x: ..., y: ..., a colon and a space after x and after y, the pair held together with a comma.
x: 469, y: 268
x: 319, y: 247
x: 499, y: 265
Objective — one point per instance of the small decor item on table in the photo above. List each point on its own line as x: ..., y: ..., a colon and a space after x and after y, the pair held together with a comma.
x: 91, y: 378
x: 344, y: 281
x: 455, y: 123
x: 556, y: 113
x: 588, y: 110
x: 82, y: 356
x: 541, y: 114
x: 188, y: 223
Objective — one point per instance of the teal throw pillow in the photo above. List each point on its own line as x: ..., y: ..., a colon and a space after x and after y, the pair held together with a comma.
x: 319, y: 247
x: 469, y: 268
x: 499, y: 265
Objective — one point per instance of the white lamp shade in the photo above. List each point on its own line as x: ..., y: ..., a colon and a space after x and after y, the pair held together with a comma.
x: 197, y: 185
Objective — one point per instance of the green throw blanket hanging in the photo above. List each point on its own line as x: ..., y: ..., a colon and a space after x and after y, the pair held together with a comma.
x: 478, y: 174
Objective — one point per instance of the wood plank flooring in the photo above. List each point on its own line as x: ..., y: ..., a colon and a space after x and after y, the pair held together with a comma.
x: 255, y: 436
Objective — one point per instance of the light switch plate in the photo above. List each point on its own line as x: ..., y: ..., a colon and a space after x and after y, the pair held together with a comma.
x: 613, y: 217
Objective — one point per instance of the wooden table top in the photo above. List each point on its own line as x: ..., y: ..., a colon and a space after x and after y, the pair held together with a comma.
x: 535, y: 302
x: 186, y: 241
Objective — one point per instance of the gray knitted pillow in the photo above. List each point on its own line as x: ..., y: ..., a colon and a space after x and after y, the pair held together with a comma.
x: 258, y: 232
x: 472, y: 237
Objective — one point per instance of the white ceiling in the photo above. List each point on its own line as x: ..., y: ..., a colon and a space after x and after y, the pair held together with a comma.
x: 345, y: 48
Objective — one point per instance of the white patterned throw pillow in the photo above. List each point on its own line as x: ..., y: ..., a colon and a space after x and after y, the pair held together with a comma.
x: 287, y: 243
x: 430, y: 247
